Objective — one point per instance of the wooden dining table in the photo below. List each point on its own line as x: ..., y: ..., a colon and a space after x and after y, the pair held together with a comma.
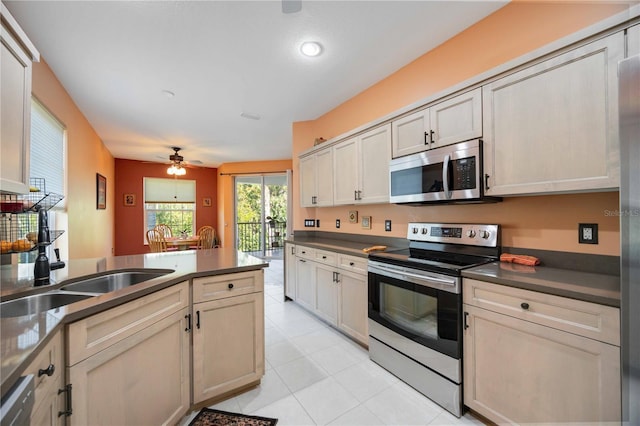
x: 182, y: 243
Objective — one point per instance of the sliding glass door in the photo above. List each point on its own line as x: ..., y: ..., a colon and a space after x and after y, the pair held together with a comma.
x: 261, y: 214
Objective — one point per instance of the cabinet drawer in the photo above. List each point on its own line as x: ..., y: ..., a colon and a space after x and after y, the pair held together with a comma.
x: 306, y: 252
x: 229, y: 285
x: 97, y: 332
x: 326, y: 257
x: 51, y: 354
x: 586, y: 319
x: 352, y: 263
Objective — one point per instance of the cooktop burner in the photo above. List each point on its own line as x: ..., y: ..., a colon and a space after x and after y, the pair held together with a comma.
x: 447, y: 248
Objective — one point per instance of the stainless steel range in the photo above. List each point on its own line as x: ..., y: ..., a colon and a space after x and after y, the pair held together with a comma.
x: 415, y: 305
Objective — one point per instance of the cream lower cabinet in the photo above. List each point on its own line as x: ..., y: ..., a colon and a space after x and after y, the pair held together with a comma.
x: 228, y: 333
x: 334, y: 287
x: 522, y: 367
x: 48, y: 369
x: 553, y: 127
x: 130, y: 364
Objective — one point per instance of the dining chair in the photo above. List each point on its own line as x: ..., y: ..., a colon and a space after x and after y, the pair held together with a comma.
x: 164, y: 229
x: 206, y: 237
x: 157, y: 243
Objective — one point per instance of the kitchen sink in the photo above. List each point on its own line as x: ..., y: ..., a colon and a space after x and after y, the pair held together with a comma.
x: 30, y: 305
x: 114, y: 281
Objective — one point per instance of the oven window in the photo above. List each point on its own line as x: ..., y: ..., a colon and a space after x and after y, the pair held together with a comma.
x: 409, y: 310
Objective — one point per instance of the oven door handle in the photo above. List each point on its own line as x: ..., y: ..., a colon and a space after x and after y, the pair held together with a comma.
x: 445, y: 176
x: 427, y: 278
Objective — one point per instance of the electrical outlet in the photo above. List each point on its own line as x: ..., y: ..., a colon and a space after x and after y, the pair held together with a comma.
x: 309, y: 223
x: 588, y: 233
x: 387, y: 225
x: 318, y: 223
x: 337, y: 223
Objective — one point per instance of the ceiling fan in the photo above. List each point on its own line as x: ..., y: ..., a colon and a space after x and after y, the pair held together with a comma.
x: 176, y: 167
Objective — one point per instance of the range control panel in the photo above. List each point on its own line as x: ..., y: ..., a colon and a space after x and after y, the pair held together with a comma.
x: 454, y: 233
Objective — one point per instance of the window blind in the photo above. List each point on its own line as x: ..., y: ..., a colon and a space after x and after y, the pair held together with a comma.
x: 46, y: 158
x: 159, y: 190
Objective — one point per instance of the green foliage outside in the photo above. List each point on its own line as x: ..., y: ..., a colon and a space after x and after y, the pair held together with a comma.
x: 179, y: 216
x: 249, y: 210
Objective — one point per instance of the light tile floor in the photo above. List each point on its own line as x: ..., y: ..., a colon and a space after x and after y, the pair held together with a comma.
x: 317, y: 376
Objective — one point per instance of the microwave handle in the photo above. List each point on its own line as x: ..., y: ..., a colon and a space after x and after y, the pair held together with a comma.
x: 445, y: 176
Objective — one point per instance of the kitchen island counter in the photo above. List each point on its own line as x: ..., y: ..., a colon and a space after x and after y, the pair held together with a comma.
x: 589, y: 287
x: 22, y: 337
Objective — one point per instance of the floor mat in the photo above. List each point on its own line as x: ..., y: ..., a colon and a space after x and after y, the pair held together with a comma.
x: 209, y: 417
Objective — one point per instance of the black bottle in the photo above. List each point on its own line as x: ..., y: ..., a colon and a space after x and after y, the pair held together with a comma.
x: 41, y: 271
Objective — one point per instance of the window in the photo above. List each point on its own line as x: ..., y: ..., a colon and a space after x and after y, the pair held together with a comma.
x: 170, y: 202
x: 47, y: 159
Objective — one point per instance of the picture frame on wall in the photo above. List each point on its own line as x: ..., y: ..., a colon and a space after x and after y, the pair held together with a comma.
x: 366, y: 222
x: 129, y: 200
x: 101, y: 192
x: 206, y: 202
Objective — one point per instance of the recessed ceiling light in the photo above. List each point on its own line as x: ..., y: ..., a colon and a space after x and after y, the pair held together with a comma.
x: 168, y: 93
x: 250, y: 116
x: 311, y: 48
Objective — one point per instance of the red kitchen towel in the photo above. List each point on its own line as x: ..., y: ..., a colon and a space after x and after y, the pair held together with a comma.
x: 519, y: 258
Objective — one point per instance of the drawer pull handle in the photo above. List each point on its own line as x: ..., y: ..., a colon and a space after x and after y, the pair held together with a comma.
x: 198, y: 319
x: 351, y: 263
x: 524, y: 305
x: 48, y: 371
x: 230, y: 286
x: 188, y: 318
x: 324, y: 257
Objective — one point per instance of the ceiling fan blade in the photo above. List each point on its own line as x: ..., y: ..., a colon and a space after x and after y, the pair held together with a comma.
x: 291, y: 6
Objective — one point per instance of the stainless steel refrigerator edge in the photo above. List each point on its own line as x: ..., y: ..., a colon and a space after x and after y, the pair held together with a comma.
x: 629, y: 101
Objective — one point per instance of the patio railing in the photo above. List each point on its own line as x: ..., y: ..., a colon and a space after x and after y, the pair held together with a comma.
x: 249, y: 236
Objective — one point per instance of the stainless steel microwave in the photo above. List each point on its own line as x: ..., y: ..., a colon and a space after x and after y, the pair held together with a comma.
x: 449, y: 174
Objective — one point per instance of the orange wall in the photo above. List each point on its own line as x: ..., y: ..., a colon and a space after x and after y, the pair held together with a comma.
x: 129, y: 174
x: 542, y: 222
x: 226, y: 191
x: 88, y: 232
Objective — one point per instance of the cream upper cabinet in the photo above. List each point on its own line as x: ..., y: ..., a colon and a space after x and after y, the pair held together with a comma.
x: 361, y: 168
x: 528, y: 360
x: 454, y: 120
x: 553, y: 127
x: 16, y: 57
x: 633, y: 41
x: 316, y: 182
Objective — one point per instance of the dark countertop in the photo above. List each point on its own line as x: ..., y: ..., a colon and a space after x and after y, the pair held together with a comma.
x: 353, y: 248
x: 22, y: 337
x: 589, y: 287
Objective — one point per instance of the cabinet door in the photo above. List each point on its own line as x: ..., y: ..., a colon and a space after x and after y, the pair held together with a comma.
x: 633, y: 41
x: 410, y: 134
x: 228, y: 345
x: 326, y: 293
x: 352, y: 311
x: 142, y: 379
x: 15, y: 111
x: 290, y: 265
x: 47, y: 400
x: 306, y: 284
x: 553, y: 127
x: 308, y: 181
x: 374, y: 156
x: 324, y: 177
x: 517, y: 371
x: 457, y: 119
x: 345, y: 173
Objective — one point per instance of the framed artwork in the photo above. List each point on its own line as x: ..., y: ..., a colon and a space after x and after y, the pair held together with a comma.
x: 366, y: 222
x: 101, y: 192
x: 129, y: 200
x: 206, y: 202
x: 353, y: 216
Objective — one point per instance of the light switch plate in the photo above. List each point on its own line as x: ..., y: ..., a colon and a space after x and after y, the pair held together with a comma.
x: 588, y: 233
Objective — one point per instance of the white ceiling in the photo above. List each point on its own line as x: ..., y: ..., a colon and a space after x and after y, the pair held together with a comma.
x: 223, y: 58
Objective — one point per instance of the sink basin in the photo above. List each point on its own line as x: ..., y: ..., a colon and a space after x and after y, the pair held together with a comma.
x: 30, y: 305
x: 114, y: 281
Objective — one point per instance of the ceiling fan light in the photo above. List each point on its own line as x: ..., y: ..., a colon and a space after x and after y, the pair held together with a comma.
x: 181, y: 171
x: 311, y: 48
